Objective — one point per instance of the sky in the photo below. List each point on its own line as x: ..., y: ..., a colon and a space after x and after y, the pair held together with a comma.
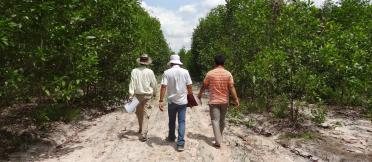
x: 178, y: 18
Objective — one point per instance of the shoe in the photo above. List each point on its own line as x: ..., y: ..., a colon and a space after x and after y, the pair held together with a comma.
x: 143, y: 139
x: 216, y: 145
x: 180, y: 148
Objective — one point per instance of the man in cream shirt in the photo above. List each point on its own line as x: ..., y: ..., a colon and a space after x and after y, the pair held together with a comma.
x: 143, y: 87
x: 178, y: 82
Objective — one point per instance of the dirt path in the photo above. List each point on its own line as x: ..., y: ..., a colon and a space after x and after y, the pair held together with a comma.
x: 113, y: 137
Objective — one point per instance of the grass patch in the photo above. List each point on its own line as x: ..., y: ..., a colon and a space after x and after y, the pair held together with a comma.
x: 369, y: 114
x: 234, y: 115
x: 249, y: 123
x: 257, y: 105
x: 280, y: 108
x: 248, y: 106
x: 307, y: 135
x: 319, y: 114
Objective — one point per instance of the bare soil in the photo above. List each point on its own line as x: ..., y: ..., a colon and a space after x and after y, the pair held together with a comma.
x: 114, y: 137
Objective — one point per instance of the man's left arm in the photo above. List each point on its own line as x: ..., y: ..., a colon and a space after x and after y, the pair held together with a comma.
x: 189, y: 89
x: 154, y: 84
x: 188, y: 83
x: 233, y: 92
x: 163, y: 88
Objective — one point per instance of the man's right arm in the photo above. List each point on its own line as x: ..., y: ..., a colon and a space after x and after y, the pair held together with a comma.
x: 201, y: 91
x: 204, y: 86
x: 154, y: 83
x: 163, y: 88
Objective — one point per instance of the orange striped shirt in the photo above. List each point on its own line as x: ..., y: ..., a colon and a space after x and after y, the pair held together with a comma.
x: 218, y: 81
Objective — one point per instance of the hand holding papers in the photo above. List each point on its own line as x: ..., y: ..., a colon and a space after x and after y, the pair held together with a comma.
x: 131, y: 106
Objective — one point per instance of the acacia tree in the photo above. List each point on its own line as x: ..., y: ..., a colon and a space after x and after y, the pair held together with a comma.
x: 292, y: 50
x: 63, y: 51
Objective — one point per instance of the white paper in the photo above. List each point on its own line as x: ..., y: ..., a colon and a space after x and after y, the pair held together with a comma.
x: 131, y: 106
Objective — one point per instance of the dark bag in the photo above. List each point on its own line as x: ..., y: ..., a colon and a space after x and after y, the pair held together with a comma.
x: 191, y: 102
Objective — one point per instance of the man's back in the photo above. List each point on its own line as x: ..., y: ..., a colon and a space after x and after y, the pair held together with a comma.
x: 176, y: 79
x: 143, y: 81
x: 218, y: 81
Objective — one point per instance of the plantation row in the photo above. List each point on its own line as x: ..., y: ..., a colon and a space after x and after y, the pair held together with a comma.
x: 280, y: 51
x: 65, y: 51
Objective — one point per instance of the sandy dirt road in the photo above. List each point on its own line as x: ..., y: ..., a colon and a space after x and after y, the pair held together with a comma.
x: 113, y: 137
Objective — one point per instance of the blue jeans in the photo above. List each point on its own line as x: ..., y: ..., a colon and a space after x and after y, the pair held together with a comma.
x: 173, y: 109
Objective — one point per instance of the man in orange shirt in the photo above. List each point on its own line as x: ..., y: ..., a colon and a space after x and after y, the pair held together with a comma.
x: 220, y: 83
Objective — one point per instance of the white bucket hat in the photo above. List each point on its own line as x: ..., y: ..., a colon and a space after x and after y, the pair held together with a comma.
x: 175, y: 59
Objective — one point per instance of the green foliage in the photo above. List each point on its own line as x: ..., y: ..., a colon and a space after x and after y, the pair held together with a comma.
x: 235, y: 113
x: 280, y: 108
x: 294, y: 49
x: 369, y: 114
x: 186, y: 58
x: 256, y: 105
x: 65, y: 51
x: 55, y: 112
x: 249, y: 123
x: 307, y: 135
x: 319, y: 114
x: 248, y: 106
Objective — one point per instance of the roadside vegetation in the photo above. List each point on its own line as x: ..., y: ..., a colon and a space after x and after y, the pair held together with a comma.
x: 60, y: 58
x: 283, y: 54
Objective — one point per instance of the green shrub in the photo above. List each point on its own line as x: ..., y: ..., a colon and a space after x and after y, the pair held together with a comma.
x: 235, y: 113
x: 74, y: 49
x: 280, y: 108
x: 307, y: 135
x: 319, y: 114
x: 249, y: 123
x: 297, y: 49
x: 369, y: 114
x: 55, y: 112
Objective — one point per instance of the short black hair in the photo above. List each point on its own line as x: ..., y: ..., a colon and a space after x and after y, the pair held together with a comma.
x: 219, y: 59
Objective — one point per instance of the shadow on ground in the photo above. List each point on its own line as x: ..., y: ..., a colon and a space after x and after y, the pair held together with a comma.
x: 128, y: 135
x: 159, y: 141
x: 151, y: 141
x: 22, y: 135
x: 201, y: 137
x: 18, y: 131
